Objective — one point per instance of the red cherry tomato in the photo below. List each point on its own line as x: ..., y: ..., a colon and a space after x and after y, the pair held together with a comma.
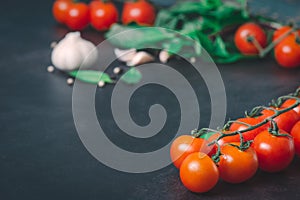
x: 279, y: 32
x: 77, y: 17
x: 140, y: 12
x: 198, y: 173
x: 185, y: 145
x: 285, y: 121
x: 296, y: 136
x: 103, y: 15
x: 241, y: 38
x: 287, y: 52
x: 225, y: 140
x: 290, y: 102
x: 249, y: 135
x: 60, y: 9
x: 235, y: 165
x: 274, y: 153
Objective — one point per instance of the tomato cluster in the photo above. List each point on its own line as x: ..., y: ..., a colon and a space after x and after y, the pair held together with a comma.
x: 101, y: 14
x: 251, y: 39
x: 267, y: 139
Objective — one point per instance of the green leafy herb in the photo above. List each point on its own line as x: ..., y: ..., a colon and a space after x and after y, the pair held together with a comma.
x: 132, y: 76
x: 90, y: 76
x: 138, y: 38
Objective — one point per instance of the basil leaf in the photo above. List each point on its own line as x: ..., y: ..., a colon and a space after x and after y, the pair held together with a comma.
x: 173, y: 46
x: 220, y: 48
x: 132, y: 76
x: 166, y: 19
x: 90, y: 76
x: 138, y: 37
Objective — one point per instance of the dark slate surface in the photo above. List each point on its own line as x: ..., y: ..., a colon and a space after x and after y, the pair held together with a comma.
x: 41, y: 155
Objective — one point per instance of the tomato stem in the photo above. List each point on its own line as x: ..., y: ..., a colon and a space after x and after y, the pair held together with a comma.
x: 257, y: 45
x: 256, y: 111
x: 275, y: 42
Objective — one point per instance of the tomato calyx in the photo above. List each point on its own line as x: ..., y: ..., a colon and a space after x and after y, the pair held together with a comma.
x: 275, y: 131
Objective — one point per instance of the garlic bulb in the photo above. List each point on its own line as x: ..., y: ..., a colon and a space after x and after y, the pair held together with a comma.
x: 73, y: 52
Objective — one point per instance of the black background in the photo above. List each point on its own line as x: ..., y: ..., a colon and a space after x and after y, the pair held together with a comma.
x: 41, y: 155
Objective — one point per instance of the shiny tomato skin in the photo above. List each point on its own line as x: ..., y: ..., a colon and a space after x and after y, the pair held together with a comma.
x: 236, y: 166
x: 77, y: 17
x: 285, y: 121
x: 103, y: 15
x: 242, y: 34
x: 274, y: 153
x: 249, y: 135
x: 183, y: 146
x: 199, y: 173
x: 141, y: 12
x: 287, y: 53
x: 60, y: 9
x: 295, y: 133
x: 290, y: 102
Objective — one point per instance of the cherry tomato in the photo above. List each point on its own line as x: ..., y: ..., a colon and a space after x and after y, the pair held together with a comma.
x: 290, y: 102
x: 183, y: 146
x: 287, y: 52
x: 198, y: 173
x: 285, y: 121
x: 60, y: 9
x: 103, y: 15
x: 241, y: 38
x: 249, y: 135
x: 279, y: 32
x: 140, y: 12
x: 225, y: 140
x: 274, y: 153
x: 235, y: 165
x: 77, y: 17
x: 296, y: 136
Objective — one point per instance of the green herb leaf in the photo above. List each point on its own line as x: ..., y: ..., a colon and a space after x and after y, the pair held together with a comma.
x: 220, y: 48
x: 132, y: 76
x: 138, y: 37
x: 173, y: 46
x: 90, y: 76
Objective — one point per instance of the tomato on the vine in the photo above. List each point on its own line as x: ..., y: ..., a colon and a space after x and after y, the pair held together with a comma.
x: 199, y: 173
x: 284, y: 29
x: 290, y: 102
x: 140, y: 11
x: 248, y: 135
x: 295, y: 132
x: 287, y: 52
x: 235, y: 165
x: 103, y: 14
x: 285, y: 121
x: 184, y: 145
x: 243, y: 35
x: 77, y: 17
x: 60, y: 9
x: 274, y: 153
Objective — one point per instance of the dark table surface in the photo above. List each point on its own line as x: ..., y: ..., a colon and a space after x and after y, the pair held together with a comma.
x: 41, y: 155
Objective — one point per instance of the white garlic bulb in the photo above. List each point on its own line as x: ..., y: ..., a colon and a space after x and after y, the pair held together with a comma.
x: 73, y: 52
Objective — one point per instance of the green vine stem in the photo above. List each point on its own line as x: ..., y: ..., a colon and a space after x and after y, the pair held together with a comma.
x: 257, y: 110
x: 266, y: 50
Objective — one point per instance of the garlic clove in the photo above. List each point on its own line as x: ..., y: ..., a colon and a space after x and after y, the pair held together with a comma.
x: 140, y: 57
x: 125, y: 55
x: 164, y: 56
